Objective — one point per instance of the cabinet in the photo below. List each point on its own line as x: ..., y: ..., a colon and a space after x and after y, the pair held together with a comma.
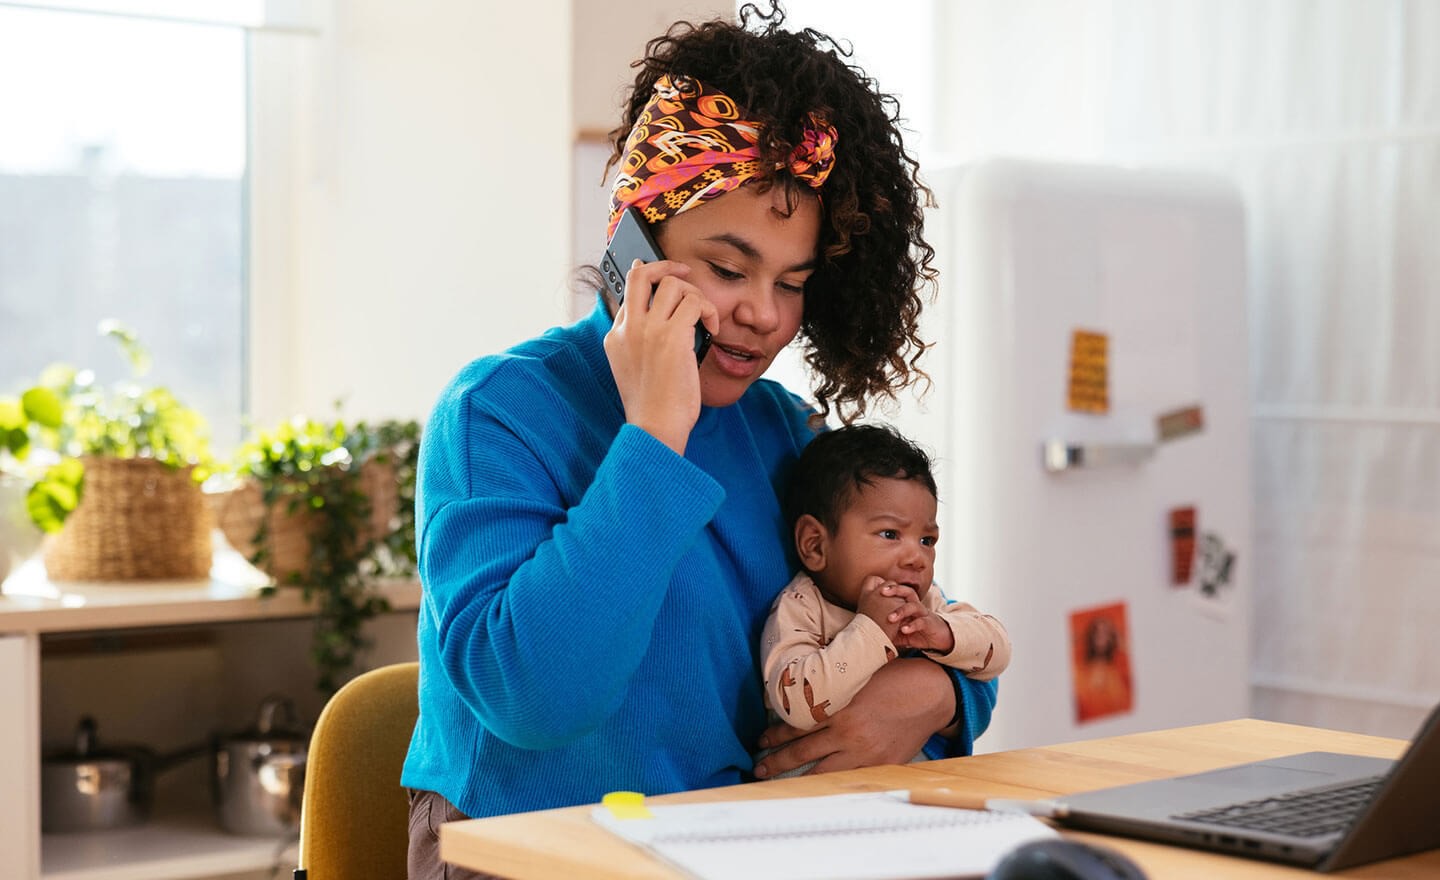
x: 164, y: 665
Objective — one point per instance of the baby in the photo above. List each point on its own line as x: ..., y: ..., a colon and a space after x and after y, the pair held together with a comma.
x: 862, y: 501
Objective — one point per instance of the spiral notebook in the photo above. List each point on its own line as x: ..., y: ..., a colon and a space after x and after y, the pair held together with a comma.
x: 867, y: 836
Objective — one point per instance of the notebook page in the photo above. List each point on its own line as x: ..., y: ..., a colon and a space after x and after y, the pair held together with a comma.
x: 866, y: 836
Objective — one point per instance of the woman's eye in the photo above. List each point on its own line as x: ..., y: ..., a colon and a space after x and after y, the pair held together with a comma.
x: 792, y: 288
x: 723, y: 273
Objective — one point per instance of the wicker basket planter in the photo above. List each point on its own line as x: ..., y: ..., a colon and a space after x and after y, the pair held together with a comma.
x: 238, y: 513
x: 137, y: 520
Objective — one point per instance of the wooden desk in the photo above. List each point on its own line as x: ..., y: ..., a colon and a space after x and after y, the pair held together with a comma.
x: 564, y: 844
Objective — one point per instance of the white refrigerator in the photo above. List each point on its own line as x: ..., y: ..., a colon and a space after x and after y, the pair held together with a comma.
x: 1089, y: 420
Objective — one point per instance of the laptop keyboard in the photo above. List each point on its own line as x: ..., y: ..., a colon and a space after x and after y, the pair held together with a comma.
x: 1310, y: 813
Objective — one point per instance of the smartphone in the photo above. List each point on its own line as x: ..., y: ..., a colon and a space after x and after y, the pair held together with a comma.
x: 631, y: 242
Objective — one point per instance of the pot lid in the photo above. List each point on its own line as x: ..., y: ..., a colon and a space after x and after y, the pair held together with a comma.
x: 87, y: 748
x: 275, y: 722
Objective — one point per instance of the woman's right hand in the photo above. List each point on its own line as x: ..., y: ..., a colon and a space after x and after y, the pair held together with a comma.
x: 887, y: 722
x: 651, y: 350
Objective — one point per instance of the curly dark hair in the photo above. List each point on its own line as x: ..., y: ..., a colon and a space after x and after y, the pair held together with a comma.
x: 834, y: 465
x: 862, y: 303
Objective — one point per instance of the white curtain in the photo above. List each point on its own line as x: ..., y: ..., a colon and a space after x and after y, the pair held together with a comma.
x: 1326, y: 113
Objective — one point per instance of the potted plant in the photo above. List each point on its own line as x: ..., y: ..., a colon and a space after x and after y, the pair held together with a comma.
x: 327, y: 508
x: 117, y: 485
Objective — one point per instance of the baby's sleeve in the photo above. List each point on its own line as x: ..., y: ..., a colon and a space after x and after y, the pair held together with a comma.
x: 807, y: 678
x: 982, y: 646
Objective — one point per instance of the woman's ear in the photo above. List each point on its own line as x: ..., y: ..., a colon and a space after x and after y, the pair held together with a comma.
x: 811, y: 540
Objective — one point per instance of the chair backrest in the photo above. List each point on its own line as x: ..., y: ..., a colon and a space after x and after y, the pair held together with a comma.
x: 354, y: 817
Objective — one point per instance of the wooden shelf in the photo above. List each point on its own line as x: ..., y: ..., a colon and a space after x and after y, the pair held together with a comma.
x: 32, y: 604
x: 173, y: 847
x: 182, y: 842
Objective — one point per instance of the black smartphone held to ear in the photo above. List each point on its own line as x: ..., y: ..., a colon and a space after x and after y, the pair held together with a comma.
x: 631, y: 242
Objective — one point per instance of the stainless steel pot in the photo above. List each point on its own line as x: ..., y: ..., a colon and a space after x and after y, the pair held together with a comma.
x: 91, y: 788
x: 260, y: 773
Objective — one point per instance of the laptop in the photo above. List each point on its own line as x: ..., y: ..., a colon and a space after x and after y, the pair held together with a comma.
x: 1319, y: 810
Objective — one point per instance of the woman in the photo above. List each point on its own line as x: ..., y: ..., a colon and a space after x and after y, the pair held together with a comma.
x: 599, y: 530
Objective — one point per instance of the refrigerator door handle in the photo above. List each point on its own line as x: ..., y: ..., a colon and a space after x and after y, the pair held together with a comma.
x: 1058, y: 456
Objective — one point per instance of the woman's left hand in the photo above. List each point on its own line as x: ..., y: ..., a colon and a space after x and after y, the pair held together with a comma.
x: 889, y: 720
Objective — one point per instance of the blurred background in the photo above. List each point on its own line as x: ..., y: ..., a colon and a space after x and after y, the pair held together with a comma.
x: 301, y: 203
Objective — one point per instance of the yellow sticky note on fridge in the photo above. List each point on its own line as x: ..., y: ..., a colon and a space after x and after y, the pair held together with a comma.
x: 1089, y: 372
x: 626, y: 805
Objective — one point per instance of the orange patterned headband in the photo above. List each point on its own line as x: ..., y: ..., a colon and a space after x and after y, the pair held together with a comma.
x: 689, y: 144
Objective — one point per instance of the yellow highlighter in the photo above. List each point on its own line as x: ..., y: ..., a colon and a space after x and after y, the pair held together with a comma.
x: 626, y: 805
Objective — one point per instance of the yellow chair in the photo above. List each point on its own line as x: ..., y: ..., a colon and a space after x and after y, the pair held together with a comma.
x: 354, y: 817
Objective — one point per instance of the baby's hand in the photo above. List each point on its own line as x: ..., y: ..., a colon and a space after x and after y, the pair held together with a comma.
x: 918, y: 626
x: 878, y: 603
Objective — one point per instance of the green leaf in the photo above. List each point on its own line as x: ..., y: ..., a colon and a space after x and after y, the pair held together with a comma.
x: 44, y: 407
x: 17, y: 441
x: 56, y: 494
x: 63, y: 495
x: 12, y: 414
x: 68, y: 471
x: 46, y: 510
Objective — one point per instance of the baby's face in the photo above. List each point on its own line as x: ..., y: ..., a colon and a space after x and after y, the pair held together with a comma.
x: 888, y: 530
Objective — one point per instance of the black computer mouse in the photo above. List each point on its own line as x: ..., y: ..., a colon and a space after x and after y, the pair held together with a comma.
x: 1061, y: 858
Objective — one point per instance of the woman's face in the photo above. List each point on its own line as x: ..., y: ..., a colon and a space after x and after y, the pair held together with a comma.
x: 751, y: 262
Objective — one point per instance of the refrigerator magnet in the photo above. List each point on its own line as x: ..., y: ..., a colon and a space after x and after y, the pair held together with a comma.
x: 1100, y: 662
x: 1089, y: 388
x: 1216, y: 564
x: 1182, y: 545
x: 1180, y: 423
x: 1215, y: 576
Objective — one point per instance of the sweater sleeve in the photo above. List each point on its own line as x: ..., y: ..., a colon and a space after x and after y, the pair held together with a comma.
x: 975, y: 701
x: 531, y: 593
x: 807, y: 679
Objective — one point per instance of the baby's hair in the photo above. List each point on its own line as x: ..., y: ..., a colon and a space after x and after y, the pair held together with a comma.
x: 834, y: 466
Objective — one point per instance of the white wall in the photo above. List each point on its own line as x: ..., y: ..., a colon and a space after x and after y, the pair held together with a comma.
x: 412, y: 213
x: 607, y: 37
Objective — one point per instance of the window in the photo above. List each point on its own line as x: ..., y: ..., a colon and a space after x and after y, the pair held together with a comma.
x: 123, y: 195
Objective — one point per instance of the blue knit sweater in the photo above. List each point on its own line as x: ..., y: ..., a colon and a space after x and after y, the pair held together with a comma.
x: 592, y: 601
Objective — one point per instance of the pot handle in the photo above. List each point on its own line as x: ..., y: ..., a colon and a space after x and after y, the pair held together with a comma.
x: 181, y: 755
x: 85, y: 737
x: 269, y: 708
